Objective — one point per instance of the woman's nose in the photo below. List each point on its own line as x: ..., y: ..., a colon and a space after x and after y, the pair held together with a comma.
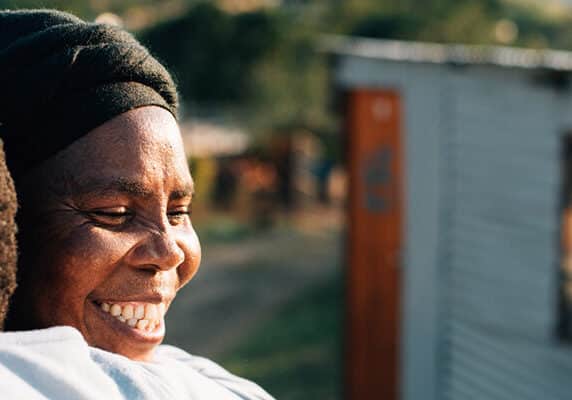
x: 159, y: 250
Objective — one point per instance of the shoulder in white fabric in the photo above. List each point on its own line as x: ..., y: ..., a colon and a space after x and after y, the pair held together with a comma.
x: 57, y: 363
x: 51, y: 363
x: 175, y: 374
x: 243, y: 389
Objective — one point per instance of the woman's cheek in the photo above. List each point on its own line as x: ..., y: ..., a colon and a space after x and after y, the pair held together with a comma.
x: 87, y: 256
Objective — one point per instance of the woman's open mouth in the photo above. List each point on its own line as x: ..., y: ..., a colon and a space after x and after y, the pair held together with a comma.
x: 139, y: 320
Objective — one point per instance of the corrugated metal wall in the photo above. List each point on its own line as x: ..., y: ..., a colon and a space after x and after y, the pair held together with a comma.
x: 499, y: 240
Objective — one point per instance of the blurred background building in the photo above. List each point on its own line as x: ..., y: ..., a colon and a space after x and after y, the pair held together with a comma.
x: 382, y: 217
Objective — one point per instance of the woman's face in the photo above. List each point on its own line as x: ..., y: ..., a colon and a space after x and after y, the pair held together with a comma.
x: 111, y: 234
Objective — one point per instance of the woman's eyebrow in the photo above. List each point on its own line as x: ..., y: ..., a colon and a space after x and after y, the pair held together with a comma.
x: 187, y: 191
x: 96, y: 186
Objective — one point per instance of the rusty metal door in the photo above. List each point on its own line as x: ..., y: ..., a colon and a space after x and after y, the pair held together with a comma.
x: 375, y: 235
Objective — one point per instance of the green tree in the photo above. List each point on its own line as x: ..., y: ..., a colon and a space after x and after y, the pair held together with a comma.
x: 211, y: 52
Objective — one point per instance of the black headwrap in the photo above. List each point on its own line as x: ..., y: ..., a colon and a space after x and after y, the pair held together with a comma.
x: 61, y: 77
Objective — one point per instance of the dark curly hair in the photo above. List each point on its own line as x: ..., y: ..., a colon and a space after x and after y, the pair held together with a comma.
x: 8, y: 206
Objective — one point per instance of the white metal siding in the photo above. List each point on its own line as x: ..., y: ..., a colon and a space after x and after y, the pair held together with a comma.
x: 499, y: 241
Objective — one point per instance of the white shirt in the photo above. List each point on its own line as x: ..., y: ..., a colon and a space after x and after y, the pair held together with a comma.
x: 57, y: 363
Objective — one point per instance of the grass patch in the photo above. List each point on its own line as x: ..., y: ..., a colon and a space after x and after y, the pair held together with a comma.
x: 296, y: 354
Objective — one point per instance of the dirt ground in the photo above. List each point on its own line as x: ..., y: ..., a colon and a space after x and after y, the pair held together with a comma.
x: 241, y: 283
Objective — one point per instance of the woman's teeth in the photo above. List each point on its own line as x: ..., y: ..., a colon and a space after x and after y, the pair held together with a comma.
x: 140, y: 316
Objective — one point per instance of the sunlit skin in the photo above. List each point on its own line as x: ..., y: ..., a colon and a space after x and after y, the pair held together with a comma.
x: 108, y: 220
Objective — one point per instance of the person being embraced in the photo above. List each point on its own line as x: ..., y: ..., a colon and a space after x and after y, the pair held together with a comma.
x: 8, y: 231
x: 89, y: 120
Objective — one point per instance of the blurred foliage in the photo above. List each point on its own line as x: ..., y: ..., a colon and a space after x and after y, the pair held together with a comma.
x: 211, y: 52
x: 465, y: 21
x: 261, y: 67
x: 223, y: 229
x: 89, y: 9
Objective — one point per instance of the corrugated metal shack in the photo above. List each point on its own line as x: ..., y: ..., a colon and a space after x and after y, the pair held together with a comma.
x: 459, y: 187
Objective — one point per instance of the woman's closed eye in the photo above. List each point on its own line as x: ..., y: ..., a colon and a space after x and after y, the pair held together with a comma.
x: 178, y: 215
x: 110, y: 216
x: 118, y: 216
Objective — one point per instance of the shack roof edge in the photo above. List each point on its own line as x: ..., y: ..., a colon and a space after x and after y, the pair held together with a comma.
x: 424, y: 52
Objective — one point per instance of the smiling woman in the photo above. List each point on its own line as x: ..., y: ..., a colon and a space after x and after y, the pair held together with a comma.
x: 112, y: 241
x: 106, y: 238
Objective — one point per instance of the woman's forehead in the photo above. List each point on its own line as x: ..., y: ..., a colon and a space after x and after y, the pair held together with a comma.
x: 135, y: 153
x: 149, y: 132
x: 149, y: 125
